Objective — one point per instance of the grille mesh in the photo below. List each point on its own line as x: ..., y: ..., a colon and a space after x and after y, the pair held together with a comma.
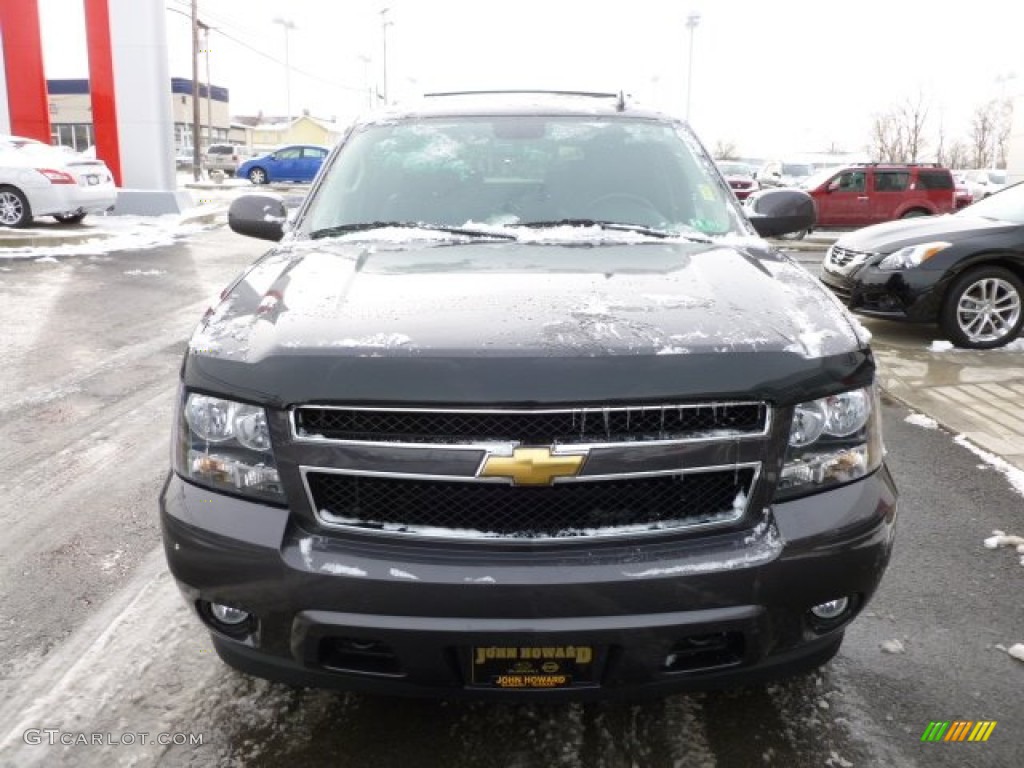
x: 581, y: 425
x: 559, y: 511
x: 844, y: 257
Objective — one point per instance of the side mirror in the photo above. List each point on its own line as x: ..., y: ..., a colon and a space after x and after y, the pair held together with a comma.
x: 258, y: 215
x: 832, y: 185
x: 775, y: 212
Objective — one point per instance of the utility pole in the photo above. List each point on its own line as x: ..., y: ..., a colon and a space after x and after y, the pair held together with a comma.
x: 196, y: 165
x: 209, y: 84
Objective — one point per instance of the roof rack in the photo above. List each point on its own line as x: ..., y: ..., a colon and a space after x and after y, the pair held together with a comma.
x: 620, y: 97
x: 893, y: 162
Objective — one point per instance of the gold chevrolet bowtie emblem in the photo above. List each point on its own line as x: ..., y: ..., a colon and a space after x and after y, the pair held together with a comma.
x: 531, y: 466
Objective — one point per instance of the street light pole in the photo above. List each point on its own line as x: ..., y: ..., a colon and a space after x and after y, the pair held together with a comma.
x: 196, y: 166
x: 366, y: 78
x: 288, y: 25
x: 384, y: 24
x: 692, y: 20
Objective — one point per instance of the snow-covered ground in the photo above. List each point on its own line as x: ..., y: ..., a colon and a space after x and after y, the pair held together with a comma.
x: 108, y: 234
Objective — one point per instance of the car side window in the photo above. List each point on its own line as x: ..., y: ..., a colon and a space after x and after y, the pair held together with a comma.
x: 935, y: 180
x: 291, y: 153
x: 851, y: 181
x: 313, y: 152
x: 891, y: 181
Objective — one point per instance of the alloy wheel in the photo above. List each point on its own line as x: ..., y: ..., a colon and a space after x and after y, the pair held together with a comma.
x: 12, y: 208
x: 988, y: 310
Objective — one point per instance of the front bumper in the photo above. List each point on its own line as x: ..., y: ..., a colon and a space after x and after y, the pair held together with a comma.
x: 390, y: 618
x: 914, y: 295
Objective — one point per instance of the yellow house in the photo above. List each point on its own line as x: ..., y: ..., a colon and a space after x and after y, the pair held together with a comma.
x: 301, y: 130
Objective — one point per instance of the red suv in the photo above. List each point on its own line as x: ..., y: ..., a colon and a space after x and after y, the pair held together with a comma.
x: 869, y: 193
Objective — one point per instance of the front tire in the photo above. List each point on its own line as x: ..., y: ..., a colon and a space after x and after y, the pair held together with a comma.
x: 258, y: 176
x: 983, y: 308
x: 14, y: 208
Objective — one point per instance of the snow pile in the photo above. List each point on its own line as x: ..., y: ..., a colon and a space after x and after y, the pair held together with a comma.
x: 999, y: 539
x: 113, y: 233
x: 1014, y: 475
x: 946, y: 346
x: 893, y: 646
x: 920, y: 420
x: 1016, y: 651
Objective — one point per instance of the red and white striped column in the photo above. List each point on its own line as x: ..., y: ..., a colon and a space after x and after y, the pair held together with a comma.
x: 24, y: 107
x: 130, y: 84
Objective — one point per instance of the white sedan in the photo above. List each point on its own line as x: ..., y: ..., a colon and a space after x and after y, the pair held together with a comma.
x: 37, y: 179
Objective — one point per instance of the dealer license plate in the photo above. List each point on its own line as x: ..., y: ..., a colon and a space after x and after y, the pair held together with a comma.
x: 533, y: 667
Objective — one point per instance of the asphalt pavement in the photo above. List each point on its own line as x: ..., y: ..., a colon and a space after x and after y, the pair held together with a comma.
x: 95, y: 639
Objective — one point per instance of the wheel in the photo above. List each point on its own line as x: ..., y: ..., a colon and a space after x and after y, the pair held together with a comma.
x: 69, y: 218
x: 798, y: 235
x: 14, y: 208
x: 625, y: 208
x: 258, y: 176
x: 982, y: 309
x: 913, y: 213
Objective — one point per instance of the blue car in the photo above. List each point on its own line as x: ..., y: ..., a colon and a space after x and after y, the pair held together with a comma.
x: 296, y: 162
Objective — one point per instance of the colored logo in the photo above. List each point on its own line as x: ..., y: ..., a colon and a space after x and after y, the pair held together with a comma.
x: 958, y: 730
x: 532, y: 466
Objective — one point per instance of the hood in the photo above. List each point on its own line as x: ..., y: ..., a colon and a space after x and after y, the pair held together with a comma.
x: 382, y: 320
x: 893, y: 235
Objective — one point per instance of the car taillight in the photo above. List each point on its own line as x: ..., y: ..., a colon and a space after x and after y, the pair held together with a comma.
x: 57, y: 177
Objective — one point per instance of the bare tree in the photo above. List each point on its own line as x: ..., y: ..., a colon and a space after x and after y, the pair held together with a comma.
x: 984, y: 129
x: 1003, y: 129
x: 725, y: 150
x: 957, y: 155
x: 898, y: 135
x: 887, y: 139
x: 913, y: 116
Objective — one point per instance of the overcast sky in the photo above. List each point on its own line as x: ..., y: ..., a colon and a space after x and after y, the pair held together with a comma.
x: 773, y: 78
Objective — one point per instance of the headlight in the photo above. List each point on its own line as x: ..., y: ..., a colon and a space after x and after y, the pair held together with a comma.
x: 833, y: 440
x: 911, y: 256
x: 225, y: 445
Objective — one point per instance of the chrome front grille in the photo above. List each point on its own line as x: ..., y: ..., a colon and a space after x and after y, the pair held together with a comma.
x: 430, y: 472
x: 846, y: 260
x: 552, y: 426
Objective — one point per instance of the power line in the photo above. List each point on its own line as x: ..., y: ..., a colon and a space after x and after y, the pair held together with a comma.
x: 220, y: 31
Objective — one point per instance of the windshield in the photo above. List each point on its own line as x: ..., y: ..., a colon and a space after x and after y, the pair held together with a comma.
x: 1005, y: 205
x: 797, y: 169
x: 734, y: 169
x: 510, y: 171
x: 816, y: 180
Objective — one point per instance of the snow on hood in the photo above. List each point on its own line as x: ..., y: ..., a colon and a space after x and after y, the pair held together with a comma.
x: 435, y: 297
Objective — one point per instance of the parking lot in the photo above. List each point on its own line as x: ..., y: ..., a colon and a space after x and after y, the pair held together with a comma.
x: 96, y: 638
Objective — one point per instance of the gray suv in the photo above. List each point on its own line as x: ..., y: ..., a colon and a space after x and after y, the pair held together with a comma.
x: 224, y: 157
x: 521, y: 405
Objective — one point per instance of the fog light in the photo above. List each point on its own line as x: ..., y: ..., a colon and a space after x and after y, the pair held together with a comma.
x: 833, y: 609
x: 225, y: 614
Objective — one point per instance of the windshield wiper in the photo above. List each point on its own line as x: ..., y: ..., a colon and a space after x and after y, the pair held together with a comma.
x: 363, y: 226
x: 616, y: 227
